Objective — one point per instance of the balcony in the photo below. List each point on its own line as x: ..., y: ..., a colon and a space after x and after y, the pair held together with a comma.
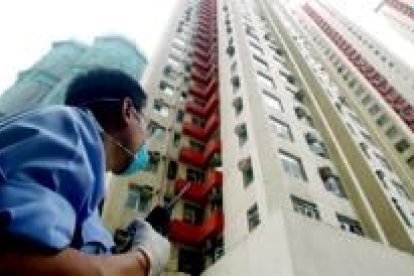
x: 205, y: 65
x: 199, y: 191
x: 199, y: 133
x: 196, y: 235
x: 204, y: 93
x: 203, y: 111
x: 200, y: 159
x: 203, y: 76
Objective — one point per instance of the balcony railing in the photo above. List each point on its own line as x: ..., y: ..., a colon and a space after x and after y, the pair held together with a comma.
x: 199, y: 190
x: 203, y: 111
x: 200, y: 133
x: 204, y: 92
x: 189, y: 234
x: 200, y: 159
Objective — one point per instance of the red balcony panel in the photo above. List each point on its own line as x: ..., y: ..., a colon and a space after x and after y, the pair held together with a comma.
x: 194, y: 131
x: 195, y: 109
x: 385, y: 89
x: 212, y: 147
x: 191, y: 156
x: 200, y: 133
x: 378, y: 82
x: 202, y: 75
x: 355, y: 56
x: 400, y: 104
x: 211, y: 105
x: 200, y: 159
x: 350, y: 51
x: 372, y: 75
x: 201, y: 54
x: 391, y: 97
x: 203, y: 111
x: 186, y: 233
x: 199, y: 191
x: 202, y: 46
x: 199, y: 76
x: 408, y: 117
x: 199, y: 63
x: 204, y: 92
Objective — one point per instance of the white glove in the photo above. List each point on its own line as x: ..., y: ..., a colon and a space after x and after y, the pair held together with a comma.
x: 153, y: 244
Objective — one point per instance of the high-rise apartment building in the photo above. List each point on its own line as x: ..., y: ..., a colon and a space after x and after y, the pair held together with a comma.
x: 47, y: 80
x: 400, y: 15
x: 297, y: 149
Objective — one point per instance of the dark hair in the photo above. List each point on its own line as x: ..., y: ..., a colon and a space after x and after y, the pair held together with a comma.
x: 102, y: 91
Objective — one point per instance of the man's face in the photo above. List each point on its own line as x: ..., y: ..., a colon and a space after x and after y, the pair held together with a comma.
x: 131, y: 137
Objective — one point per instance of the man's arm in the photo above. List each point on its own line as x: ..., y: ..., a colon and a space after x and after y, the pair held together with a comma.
x: 73, y: 262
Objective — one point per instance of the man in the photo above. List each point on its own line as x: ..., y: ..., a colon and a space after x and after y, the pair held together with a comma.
x: 52, y: 165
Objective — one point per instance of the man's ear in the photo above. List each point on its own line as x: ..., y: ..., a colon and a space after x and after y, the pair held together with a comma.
x: 126, y: 110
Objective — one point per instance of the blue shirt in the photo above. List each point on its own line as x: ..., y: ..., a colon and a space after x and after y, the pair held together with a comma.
x: 52, y: 169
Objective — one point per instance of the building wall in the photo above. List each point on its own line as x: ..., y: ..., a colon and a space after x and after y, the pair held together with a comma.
x: 400, y: 15
x: 299, y: 88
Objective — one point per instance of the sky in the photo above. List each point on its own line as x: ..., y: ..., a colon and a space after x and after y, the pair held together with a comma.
x: 28, y: 28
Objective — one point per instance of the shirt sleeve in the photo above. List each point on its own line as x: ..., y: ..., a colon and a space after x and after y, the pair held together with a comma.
x: 52, y: 178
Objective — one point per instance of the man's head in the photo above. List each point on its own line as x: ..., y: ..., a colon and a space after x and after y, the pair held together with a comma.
x: 117, y: 101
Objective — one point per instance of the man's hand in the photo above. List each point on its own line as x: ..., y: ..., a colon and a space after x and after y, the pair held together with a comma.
x: 155, y: 246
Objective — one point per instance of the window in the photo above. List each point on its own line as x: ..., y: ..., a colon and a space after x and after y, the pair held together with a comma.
x: 350, y: 225
x: 392, y: 132
x: 256, y: 47
x: 167, y: 88
x: 402, y: 145
x: 281, y: 129
x: 316, y: 145
x: 410, y: 161
x: 382, y: 120
x: 194, y: 175
x: 331, y: 181
x: 292, y: 165
x: 161, y: 108
x: 245, y: 166
x: 384, y: 162
x: 400, y: 189
x: 374, y: 109
x: 176, y: 139
x: 272, y: 101
x: 305, y: 208
x: 172, y: 170
x: 193, y: 214
x: 364, y: 149
x: 156, y: 130
x: 196, y: 145
x: 154, y: 159
x: 401, y: 212
x: 238, y: 105
x: 138, y: 197
x: 301, y: 113
x: 265, y: 79
x: 180, y: 116
x: 367, y: 137
x: 253, y: 218
x: 365, y: 100
x: 260, y: 61
x: 241, y: 132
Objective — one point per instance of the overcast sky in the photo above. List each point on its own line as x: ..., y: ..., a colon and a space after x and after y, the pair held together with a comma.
x: 27, y: 28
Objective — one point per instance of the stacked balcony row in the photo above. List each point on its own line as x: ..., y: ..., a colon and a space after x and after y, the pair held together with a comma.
x: 375, y: 78
x: 203, y: 103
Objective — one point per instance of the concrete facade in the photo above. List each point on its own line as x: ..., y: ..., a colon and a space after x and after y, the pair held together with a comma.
x: 400, y: 15
x: 304, y: 179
